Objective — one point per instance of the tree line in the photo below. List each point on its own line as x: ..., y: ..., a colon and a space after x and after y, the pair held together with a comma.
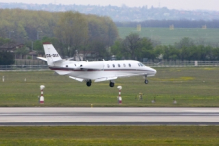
x: 6, y: 58
x: 134, y: 47
x: 70, y: 30
x: 176, y: 23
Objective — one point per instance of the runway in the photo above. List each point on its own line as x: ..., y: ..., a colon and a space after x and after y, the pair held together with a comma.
x: 107, y: 116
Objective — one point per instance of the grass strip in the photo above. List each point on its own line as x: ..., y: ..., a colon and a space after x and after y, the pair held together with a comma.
x: 190, y: 87
x: 110, y: 135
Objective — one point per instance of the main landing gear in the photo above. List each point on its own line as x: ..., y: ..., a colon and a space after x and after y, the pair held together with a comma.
x: 89, y: 83
x: 111, y: 84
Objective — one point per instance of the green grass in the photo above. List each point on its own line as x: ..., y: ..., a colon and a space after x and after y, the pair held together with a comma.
x: 167, y: 36
x: 109, y: 135
x: 191, y: 87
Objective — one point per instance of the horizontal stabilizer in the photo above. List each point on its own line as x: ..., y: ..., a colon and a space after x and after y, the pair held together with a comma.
x: 77, y: 79
x: 42, y: 58
x: 105, y: 79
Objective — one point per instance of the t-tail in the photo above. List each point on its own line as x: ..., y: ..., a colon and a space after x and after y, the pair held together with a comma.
x: 52, y: 56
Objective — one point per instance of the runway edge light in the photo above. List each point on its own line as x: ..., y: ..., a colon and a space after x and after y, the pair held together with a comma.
x: 41, y: 97
x: 119, y: 97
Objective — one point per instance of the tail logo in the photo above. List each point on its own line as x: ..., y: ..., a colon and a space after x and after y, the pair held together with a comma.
x: 52, y: 55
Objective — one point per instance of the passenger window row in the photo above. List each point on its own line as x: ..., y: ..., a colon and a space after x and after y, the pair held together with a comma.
x: 124, y: 65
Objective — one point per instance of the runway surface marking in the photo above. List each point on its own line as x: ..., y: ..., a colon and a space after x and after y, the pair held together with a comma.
x: 110, y: 116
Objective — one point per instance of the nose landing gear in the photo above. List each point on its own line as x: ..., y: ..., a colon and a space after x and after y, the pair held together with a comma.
x: 146, y: 81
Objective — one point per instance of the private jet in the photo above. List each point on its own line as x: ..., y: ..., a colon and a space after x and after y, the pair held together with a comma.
x: 97, y: 71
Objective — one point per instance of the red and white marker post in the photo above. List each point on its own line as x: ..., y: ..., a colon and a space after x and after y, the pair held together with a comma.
x: 120, y: 98
x: 41, y: 97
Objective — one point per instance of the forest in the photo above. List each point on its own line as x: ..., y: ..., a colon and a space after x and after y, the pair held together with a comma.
x: 135, y: 47
x: 69, y: 31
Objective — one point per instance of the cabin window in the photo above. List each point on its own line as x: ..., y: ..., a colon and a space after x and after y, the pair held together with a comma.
x: 129, y: 65
x: 108, y: 65
x: 66, y: 65
x: 118, y: 65
x: 139, y: 64
x: 113, y: 65
x: 124, y: 65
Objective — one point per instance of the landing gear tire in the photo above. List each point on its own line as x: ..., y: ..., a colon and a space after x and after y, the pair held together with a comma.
x: 111, y: 84
x: 146, y: 81
x: 89, y: 83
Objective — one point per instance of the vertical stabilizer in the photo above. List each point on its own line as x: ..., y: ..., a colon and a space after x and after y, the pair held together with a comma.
x: 51, y: 54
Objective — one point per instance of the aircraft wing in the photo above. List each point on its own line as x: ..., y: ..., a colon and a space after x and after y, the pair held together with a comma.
x: 105, y: 79
x: 118, y: 76
x: 115, y: 77
x: 130, y: 75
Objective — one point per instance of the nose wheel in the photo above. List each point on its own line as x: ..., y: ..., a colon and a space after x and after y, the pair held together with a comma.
x: 89, y: 83
x: 146, y: 81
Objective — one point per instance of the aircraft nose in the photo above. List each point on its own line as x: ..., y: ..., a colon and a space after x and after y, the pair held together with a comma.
x: 155, y: 71
x: 151, y: 71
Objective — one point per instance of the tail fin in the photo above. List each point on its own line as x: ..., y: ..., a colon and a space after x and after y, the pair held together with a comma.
x: 52, y: 55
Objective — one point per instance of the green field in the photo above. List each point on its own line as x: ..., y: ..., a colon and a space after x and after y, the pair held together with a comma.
x: 109, y: 135
x: 167, y: 36
x: 191, y: 87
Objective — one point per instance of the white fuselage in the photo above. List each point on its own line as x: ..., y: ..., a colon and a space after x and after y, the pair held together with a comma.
x: 98, y: 71
x: 102, y: 69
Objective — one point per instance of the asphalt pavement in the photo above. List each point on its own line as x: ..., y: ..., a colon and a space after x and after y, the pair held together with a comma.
x: 41, y: 116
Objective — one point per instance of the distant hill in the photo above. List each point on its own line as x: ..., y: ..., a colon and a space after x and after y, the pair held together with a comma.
x: 122, y: 14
